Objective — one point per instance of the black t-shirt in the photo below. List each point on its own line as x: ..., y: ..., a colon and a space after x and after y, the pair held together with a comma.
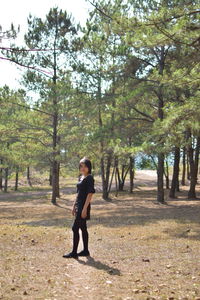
x: 84, y: 187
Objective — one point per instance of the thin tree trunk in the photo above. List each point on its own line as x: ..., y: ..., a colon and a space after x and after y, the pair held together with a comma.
x: 188, y: 167
x: 161, y: 156
x: 184, y: 167
x: 104, y: 173
x: 124, y: 174
x: 58, y: 180
x: 161, y: 160
x: 121, y: 177
x: 191, y: 192
x: 105, y: 176
x: 193, y: 161
x: 28, y: 174
x: 116, y: 185
x: 196, y: 159
x: 54, y: 181
x: 16, y: 179
x: 104, y: 189
x: 110, y: 185
x: 175, y: 172
x: 6, y: 180
x: 1, y: 175
x: 177, y: 179
x: 121, y: 181
x: 117, y: 174
x: 160, y: 172
x: 55, y: 168
x: 131, y: 173
x: 167, y: 175
x: 166, y: 172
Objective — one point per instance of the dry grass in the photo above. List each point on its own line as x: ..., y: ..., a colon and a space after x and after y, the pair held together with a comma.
x: 139, y: 249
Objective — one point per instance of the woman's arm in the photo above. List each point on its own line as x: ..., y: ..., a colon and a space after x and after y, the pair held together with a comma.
x: 73, y: 208
x: 90, y: 191
x: 87, y: 202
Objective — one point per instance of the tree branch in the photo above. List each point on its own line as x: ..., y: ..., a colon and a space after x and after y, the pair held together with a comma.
x: 48, y: 74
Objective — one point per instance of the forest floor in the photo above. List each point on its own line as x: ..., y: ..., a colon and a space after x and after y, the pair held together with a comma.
x: 139, y: 249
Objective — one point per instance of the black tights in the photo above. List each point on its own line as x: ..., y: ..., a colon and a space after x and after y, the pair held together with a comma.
x: 80, y: 224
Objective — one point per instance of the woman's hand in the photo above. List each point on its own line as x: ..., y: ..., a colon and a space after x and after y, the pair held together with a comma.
x: 84, y: 213
x: 73, y: 211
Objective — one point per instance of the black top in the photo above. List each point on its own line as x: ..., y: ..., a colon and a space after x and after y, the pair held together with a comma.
x: 84, y: 187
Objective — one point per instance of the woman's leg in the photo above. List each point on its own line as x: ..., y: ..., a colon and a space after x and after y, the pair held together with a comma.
x: 75, y: 229
x: 85, y: 235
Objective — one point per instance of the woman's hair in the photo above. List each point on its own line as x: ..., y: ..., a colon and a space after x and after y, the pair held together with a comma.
x: 87, y: 162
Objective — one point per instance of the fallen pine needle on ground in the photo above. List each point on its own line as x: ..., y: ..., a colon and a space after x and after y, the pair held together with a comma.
x: 139, y: 249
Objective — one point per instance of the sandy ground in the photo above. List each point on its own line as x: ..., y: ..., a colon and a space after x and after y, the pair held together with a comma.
x: 139, y: 249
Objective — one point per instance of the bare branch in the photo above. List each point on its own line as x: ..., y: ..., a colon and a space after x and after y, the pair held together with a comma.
x: 48, y: 74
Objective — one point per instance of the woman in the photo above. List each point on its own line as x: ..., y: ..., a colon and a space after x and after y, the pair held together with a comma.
x: 81, y: 208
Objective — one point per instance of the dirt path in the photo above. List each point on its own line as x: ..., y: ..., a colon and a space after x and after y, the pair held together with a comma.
x: 139, y: 249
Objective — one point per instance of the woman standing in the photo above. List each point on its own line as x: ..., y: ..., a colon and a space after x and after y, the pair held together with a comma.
x: 81, y: 208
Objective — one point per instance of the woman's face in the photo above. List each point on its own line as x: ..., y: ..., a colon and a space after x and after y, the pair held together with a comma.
x: 83, y: 169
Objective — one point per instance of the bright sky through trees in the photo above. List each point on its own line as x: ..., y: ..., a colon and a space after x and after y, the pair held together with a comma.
x: 16, y: 12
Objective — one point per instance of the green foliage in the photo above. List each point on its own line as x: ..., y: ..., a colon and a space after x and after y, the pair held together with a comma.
x: 125, y: 83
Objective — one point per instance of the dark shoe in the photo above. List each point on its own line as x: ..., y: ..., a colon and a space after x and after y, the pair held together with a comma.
x: 70, y: 255
x: 84, y: 253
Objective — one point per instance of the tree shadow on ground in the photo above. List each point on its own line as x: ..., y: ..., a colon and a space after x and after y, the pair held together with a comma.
x: 24, y: 196
x: 139, y: 208
x: 99, y: 265
x: 127, y: 216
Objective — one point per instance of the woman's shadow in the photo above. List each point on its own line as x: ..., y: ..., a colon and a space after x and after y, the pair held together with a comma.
x: 99, y: 265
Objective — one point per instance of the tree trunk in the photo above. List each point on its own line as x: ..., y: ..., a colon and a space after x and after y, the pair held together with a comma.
x: 6, y: 180
x: 54, y: 161
x: 116, y: 185
x: 104, y: 188
x: 58, y: 180
x: 188, y: 167
x: 161, y: 161
x: 105, y: 175
x: 196, y: 159
x: 177, y: 179
x: 121, y: 177
x: 105, y: 162
x: 193, y: 161
x: 131, y: 173
x: 117, y: 172
x: 119, y: 181
x: 29, y: 176
x: 1, y: 175
x: 16, y: 179
x: 175, y: 172
x: 111, y: 180
x: 177, y: 185
x: 54, y: 181
x: 184, y: 167
x: 191, y: 192
x: 161, y: 156
x: 55, y: 168
x: 166, y: 174
x: 160, y: 172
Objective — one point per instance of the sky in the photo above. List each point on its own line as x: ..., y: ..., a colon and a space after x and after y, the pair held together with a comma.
x: 16, y: 12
